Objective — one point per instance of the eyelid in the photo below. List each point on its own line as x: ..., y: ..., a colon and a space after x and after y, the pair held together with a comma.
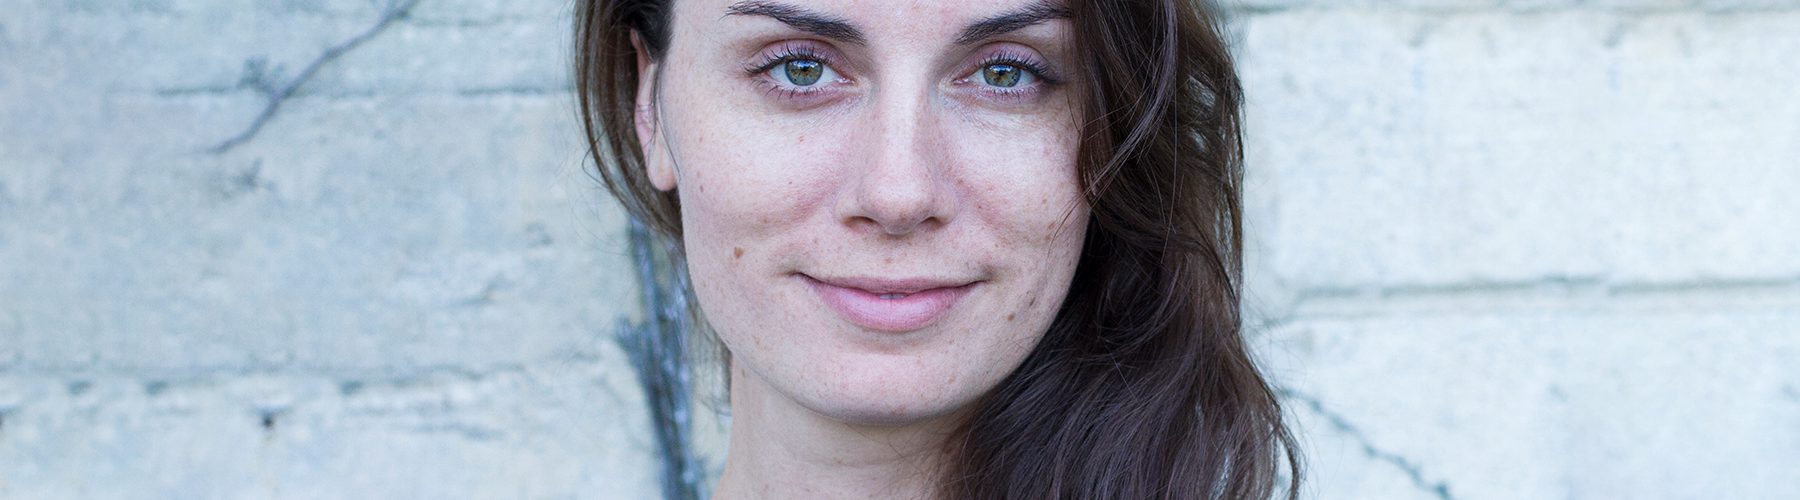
x: 1046, y: 74
x: 761, y: 70
x: 782, y: 52
x: 1043, y: 78
x: 762, y: 66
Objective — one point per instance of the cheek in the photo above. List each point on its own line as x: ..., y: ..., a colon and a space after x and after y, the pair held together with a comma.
x: 740, y: 177
x: 1023, y: 188
x: 749, y: 189
x: 1021, y: 180
x: 746, y: 160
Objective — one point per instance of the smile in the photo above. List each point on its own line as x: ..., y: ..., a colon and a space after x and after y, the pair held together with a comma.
x: 890, y: 305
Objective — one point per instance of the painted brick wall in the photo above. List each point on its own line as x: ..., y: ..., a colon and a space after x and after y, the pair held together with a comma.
x: 1526, y: 249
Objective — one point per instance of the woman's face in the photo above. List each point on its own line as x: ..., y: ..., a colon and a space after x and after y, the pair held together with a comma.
x: 879, y: 198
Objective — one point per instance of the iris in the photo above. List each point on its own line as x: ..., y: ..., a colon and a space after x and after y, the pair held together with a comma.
x: 803, y: 72
x: 1001, y: 75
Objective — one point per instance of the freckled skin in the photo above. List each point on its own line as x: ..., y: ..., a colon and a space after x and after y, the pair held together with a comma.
x: 901, y: 178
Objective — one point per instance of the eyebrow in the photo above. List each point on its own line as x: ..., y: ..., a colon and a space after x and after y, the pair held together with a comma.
x: 836, y: 28
x: 801, y: 19
x: 1030, y: 15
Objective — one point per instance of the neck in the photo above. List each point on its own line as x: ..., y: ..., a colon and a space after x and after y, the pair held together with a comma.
x: 781, y: 450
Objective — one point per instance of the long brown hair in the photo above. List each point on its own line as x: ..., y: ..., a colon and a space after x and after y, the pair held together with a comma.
x: 1143, y: 386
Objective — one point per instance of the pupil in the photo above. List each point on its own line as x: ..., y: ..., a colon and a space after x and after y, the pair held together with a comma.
x: 803, y: 72
x: 1001, y: 75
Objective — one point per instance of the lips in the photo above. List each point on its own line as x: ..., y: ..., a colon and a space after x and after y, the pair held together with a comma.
x: 890, y: 305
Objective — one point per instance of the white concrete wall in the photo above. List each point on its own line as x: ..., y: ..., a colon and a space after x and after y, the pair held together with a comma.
x: 1531, y: 249
x: 1544, y: 249
x: 403, y: 286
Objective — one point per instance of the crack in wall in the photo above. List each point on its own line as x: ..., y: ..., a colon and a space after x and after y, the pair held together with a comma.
x: 1413, y: 470
x: 256, y: 74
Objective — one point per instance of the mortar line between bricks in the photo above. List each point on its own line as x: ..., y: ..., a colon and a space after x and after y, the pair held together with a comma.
x: 353, y: 95
x: 478, y: 23
x: 514, y: 91
x: 442, y: 380
x: 420, y: 374
x: 1231, y: 12
x: 1764, y: 285
x: 1766, y: 290
x: 1682, y: 298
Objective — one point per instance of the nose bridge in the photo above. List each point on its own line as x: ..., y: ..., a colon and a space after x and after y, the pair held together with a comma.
x: 904, y: 132
x: 902, y: 185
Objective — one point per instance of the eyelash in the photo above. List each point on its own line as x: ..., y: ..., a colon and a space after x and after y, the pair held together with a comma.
x: 788, y: 53
x: 1045, y: 77
x: 782, y: 56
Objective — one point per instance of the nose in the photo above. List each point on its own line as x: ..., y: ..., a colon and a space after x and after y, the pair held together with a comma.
x: 903, y: 185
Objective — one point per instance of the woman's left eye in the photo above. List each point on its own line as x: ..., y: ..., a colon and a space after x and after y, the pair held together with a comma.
x: 802, y: 72
x: 1006, y: 75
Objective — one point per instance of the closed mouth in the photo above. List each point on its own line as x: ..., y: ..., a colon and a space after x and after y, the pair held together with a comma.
x: 890, y: 305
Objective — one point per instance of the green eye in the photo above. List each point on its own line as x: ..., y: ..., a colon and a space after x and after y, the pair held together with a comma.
x: 1001, y: 75
x: 803, y: 72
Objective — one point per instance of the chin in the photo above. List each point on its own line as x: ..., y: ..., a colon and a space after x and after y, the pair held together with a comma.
x: 883, y: 410
x: 890, y: 392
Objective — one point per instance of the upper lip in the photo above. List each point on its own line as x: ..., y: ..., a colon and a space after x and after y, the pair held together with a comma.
x: 890, y: 285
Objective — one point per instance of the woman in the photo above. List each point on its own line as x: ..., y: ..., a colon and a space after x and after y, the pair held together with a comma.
x: 972, y: 249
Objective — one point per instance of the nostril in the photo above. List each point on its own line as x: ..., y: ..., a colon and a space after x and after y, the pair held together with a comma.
x: 902, y: 190
x: 902, y: 206
x: 901, y: 225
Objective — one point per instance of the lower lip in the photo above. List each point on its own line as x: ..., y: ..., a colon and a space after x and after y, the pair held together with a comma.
x: 905, y: 314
